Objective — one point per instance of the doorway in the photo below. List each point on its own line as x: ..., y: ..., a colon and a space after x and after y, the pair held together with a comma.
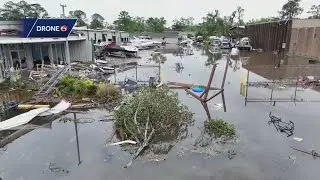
x: 18, y: 59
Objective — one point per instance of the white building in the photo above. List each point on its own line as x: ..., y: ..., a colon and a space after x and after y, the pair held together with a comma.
x: 103, y: 35
x: 25, y: 53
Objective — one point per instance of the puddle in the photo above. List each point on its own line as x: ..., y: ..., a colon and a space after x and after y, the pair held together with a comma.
x: 260, y: 152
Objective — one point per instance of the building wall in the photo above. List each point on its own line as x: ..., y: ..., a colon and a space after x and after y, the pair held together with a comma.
x: 124, y: 36
x: 10, y: 25
x: 104, y: 35
x: 305, y: 23
x: 80, y: 51
x: 305, y: 41
x: 269, y: 36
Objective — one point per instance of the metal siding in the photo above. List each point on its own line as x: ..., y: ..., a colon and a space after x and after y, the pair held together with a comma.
x: 269, y: 36
x: 80, y: 51
x: 316, y: 44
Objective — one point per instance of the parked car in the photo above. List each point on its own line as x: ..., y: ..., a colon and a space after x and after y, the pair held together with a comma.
x: 226, y: 45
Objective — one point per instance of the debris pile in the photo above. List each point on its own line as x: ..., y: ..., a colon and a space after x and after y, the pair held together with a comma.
x: 97, y: 71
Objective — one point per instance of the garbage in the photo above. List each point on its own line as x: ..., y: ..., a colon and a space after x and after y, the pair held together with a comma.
x: 297, y: 139
x: 122, y: 142
x: 54, y: 168
x: 218, y: 106
x: 293, y: 158
x: 197, y: 89
x: 281, y: 126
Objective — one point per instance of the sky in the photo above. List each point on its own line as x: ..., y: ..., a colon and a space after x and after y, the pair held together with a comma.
x: 169, y: 9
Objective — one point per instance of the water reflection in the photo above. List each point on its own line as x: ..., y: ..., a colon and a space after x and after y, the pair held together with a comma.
x: 213, y: 56
x: 10, y: 99
x: 8, y: 136
x: 76, y: 122
x: 270, y: 66
x: 77, y: 137
x: 158, y: 57
x: 235, y: 65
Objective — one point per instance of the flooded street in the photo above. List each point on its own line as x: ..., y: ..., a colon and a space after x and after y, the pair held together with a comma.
x: 262, y: 153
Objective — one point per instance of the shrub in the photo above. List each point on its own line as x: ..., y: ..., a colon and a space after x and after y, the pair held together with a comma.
x: 67, y: 80
x: 218, y: 128
x: 107, y: 92
x: 76, y: 87
x: 83, y: 87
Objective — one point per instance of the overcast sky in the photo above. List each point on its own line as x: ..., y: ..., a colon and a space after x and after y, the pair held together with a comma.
x: 170, y: 9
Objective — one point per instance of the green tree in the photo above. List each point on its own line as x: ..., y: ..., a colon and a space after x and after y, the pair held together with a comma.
x: 124, y: 22
x: 314, y: 11
x: 139, y: 24
x: 80, y: 16
x: 183, y: 24
x: 16, y: 11
x: 214, y: 24
x: 291, y: 9
x: 97, y: 21
x: 156, y: 24
x: 262, y: 20
x: 36, y: 10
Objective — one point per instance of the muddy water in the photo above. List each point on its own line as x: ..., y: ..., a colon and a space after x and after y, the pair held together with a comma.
x: 262, y: 152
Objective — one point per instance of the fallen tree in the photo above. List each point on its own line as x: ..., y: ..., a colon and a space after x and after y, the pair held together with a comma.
x: 151, y: 115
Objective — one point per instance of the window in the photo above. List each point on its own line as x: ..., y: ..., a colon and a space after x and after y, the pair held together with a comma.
x: 95, y: 36
x: 104, y: 37
x: 315, y: 36
x: 122, y: 39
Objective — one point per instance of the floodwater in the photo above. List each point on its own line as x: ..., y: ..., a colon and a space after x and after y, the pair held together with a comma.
x: 262, y: 153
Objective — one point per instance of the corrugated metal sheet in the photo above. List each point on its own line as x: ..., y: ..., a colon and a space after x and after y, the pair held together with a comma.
x: 269, y: 36
x: 80, y: 51
x: 305, y: 42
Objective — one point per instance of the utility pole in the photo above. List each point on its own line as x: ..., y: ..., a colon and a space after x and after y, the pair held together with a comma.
x: 63, y: 12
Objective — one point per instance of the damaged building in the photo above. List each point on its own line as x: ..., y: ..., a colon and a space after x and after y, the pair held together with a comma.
x: 25, y: 53
x: 103, y: 35
x: 298, y: 37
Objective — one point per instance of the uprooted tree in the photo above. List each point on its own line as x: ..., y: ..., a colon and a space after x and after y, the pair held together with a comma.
x: 151, y: 115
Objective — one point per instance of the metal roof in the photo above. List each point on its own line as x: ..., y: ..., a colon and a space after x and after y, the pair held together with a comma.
x: 19, y: 40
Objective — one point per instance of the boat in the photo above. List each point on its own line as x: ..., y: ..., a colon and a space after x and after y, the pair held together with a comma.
x: 130, y: 50
x: 112, y: 49
x: 244, y: 44
x: 143, y: 42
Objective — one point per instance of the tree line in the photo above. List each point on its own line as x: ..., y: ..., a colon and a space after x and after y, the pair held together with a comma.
x: 212, y: 23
